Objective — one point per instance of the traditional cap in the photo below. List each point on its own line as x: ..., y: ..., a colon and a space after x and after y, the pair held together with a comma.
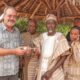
x: 51, y: 17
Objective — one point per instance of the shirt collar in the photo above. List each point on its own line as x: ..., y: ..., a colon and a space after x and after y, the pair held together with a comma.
x: 4, y: 27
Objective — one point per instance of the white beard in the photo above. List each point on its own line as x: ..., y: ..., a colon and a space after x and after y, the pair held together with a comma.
x: 50, y: 31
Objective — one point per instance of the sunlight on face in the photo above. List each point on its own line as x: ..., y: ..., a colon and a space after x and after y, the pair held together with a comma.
x: 74, y: 35
x: 51, y: 25
x: 10, y: 17
x: 32, y: 27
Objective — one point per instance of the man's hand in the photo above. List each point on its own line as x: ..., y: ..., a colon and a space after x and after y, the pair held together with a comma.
x: 19, y: 51
x: 29, y: 50
x: 46, y: 75
x: 37, y: 51
x: 26, y: 49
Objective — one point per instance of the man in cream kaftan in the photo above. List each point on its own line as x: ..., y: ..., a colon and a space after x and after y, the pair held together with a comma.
x: 52, y: 48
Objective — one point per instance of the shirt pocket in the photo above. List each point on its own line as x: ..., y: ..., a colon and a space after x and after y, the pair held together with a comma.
x: 4, y: 42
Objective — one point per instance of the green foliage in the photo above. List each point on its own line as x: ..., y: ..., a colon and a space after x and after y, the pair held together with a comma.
x: 21, y: 24
x: 64, y: 28
x: 41, y: 26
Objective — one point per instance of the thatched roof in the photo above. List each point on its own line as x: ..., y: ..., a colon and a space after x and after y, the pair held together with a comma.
x: 39, y: 8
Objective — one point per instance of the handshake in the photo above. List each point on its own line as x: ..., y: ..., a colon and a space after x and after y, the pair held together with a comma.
x: 26, y: 50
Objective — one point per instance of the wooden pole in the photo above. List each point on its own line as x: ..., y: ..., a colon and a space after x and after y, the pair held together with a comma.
x: 21, y: 4
x: 48, y: 4
x: 59, y: 4
x: 33, y: 5
x: 36, y: 10
x: 68, y: 7
x: 54, y: 4
x: 58, y: 16
x: 78, y: 11
x: 45, y: 11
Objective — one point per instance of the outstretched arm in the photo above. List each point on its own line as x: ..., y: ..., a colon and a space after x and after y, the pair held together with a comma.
x: 49, y: 73
x: 16, y: 51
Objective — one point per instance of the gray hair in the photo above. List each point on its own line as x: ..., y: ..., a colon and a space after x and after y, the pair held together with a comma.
x: 9, y: 7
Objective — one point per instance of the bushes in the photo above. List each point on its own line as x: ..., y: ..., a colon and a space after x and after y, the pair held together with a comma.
x: 22, y: 24
x: 64, y: 28
x: 41, y: 26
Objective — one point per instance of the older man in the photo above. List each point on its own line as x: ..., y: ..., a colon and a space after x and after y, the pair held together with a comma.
x: 54, y: 49
x: 9, y: 41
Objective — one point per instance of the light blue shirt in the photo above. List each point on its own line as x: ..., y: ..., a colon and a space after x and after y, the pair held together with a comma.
x: 9, y: 64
